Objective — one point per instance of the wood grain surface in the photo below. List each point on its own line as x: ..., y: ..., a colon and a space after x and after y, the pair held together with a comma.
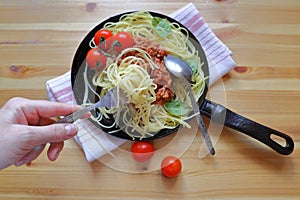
x: 39, y: 38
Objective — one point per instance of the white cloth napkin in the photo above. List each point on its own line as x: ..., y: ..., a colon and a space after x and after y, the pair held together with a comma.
x: 94, y: 142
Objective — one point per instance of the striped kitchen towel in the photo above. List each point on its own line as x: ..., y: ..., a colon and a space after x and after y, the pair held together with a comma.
x: 94, y: 142
x: 218, y: 55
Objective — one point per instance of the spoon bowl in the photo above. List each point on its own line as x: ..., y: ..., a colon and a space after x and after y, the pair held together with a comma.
x: 178, y: 67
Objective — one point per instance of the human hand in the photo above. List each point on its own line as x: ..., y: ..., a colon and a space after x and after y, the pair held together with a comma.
x: 26, y: 126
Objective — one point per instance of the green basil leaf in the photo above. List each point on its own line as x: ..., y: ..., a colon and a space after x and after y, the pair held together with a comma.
x: 155, y: 21
x: 161, y: 26
x: 177, y: 108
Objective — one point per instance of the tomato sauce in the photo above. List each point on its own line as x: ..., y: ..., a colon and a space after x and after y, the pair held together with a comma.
x: 161, y: 76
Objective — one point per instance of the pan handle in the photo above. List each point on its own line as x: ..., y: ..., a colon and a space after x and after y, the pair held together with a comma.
x: 253, y: 129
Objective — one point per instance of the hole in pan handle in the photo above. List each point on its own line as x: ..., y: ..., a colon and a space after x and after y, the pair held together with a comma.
x: 251, y: 128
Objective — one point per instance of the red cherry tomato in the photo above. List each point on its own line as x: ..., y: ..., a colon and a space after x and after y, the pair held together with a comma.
x: 142, y: 151
x: 171, y: 166
x: 101, y: 35
x: 125, y: 40
x: 96, y: 59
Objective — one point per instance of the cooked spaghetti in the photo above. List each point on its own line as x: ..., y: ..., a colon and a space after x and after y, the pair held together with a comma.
x: 140, y: 72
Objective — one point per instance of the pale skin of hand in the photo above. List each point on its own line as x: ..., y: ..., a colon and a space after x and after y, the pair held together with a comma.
x: 26, y: 126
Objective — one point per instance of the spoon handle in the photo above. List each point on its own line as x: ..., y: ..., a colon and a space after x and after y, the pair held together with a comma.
x: 200, y: 122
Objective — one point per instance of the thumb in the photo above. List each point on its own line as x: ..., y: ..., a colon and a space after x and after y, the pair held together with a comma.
x: 52, y: 133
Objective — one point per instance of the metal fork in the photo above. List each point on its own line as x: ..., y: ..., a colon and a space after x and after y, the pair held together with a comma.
x: 110, y: 99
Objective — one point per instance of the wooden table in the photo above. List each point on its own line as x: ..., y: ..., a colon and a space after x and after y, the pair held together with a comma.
x: 39, y: 38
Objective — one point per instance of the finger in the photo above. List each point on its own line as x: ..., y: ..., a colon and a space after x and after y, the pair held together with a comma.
x: 32, y: 155
x: 54, y: 150
x: 51, y: 133
x: 47, y: 109
x: 87, y: 115
x: 52, y: 109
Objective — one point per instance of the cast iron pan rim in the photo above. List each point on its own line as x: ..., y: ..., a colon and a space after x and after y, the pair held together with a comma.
x: 79, y: 58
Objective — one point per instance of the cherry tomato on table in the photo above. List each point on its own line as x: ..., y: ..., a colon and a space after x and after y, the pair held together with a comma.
x: 142, y: 151
x: 96, y: 59
x: 171, y: 166
x: 101, y: 35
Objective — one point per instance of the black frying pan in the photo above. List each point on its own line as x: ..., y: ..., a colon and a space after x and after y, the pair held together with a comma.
x: 207, y: 108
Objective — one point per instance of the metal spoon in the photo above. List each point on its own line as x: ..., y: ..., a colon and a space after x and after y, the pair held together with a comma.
x: 181, y: 69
